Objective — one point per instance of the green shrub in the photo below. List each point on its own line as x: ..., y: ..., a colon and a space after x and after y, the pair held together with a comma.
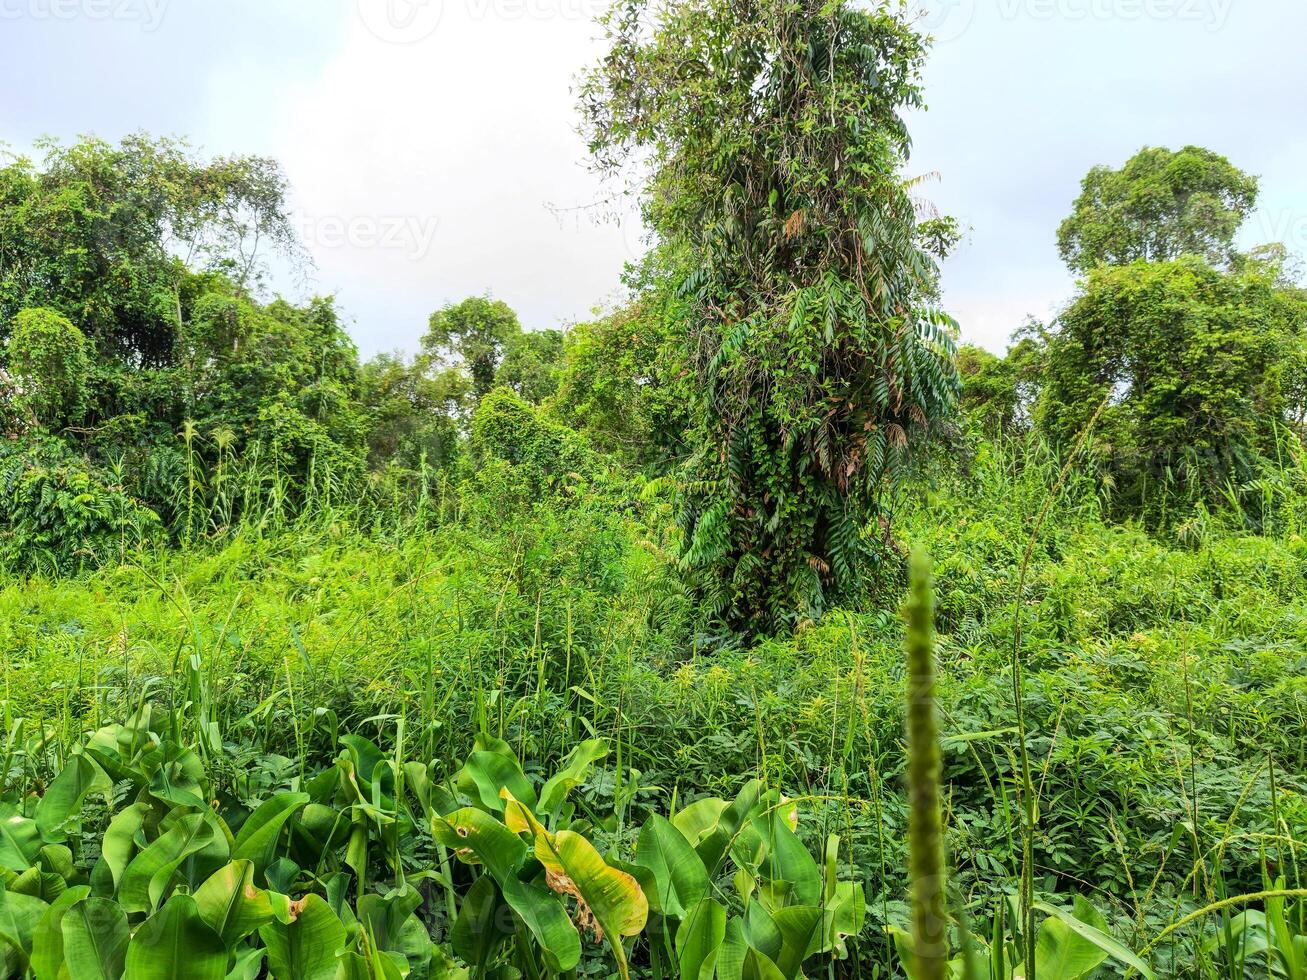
x: 49, y: 362
x: 57, y: 516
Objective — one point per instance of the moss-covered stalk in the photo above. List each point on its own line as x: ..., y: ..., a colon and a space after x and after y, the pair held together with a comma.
x: 925, y: 823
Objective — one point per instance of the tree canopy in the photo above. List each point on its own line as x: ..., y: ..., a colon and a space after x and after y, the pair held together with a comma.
x: 1160, y: 205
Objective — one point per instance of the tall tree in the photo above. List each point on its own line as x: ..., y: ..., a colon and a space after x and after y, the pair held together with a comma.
x: 1193, y: 360
x: 774, y: 141
x: 475, y: 333
x: 108, y: 234
x: 1160, y: 205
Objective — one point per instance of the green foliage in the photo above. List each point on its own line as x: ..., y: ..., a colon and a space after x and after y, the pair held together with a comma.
x: 95, y: 231
x: 530, y: 365
x: 1192, y: 360
x: 412, y: 413
x: 1000, y: 393
x: 49, y: 365
x: 170, y: 885
x: 623, y: 385
x: 1159, y: 206
x: 774, y: 183
x: 538, y: 453
x: 474, y: 333
x: 56, y: 516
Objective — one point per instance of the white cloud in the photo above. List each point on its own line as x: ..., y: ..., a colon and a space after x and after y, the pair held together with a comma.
x: 457, y: 143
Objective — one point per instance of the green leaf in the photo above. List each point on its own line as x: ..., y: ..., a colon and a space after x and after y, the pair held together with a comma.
x: 231, y: 904
x: 176, y: 944
x: 481, y: 926
x: 486, y: 773
x: 306, y: 948
x: 698, y: 939
x: 714, y: 843
x: 95, y: 940
x: 146, y: 881
x: 613, y: 897
x: 543, y: 913
x: 119, y: 842
x: 680, y: 879
x: 248, y: 963
x: 575, y: 768
x: 20, y: 839
x: 1061, y: 954
x: 19, y: 917
x: 48, y: 941
x: 62, y: 803
x: 257, y: 840
x: 179, y: 779
x: 478, y: 838
x: 699, y: 819
x: 1100, y: 939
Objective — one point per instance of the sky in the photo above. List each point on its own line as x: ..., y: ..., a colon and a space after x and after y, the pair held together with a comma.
x: 432, y: 150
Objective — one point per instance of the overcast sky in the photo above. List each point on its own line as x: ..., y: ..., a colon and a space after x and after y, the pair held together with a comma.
x: 432, y: 151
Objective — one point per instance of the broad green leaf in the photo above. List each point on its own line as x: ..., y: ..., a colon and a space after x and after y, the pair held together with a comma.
x: 20, y: 839
x: 231, y: 904
x: 248, y: 963
x: 545, y: 916
x: 844, y: 915
x: 179, y: 778
x: 483, y: 922
x: 95, y: 940
x: 257, y: 840
x: 486, y: 773
x: 699, y: 819
x: 48, y: 941
x: 19, y: 917
x: 1061, y: 954
x: 478, y: 838
x: 783, y: 857
x: 119, y: 842
x: 62, y: 803
x: 575, y: 768
x: 698, y: 939
x: 714, y: 843
x: 1100, y: 939
x: 306, y: 948
x: 147, y: 878
x: 800, y: 927
x: 680, y: 879
x: 176, y: 944
x: 390, y: 924
x: 737, y: 960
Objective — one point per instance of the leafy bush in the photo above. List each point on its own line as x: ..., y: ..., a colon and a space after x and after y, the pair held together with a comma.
x: 56, y: 516
x: 49, y: 362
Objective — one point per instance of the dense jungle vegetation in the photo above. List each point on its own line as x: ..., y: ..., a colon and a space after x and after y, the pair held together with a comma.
x: 539, y: 654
